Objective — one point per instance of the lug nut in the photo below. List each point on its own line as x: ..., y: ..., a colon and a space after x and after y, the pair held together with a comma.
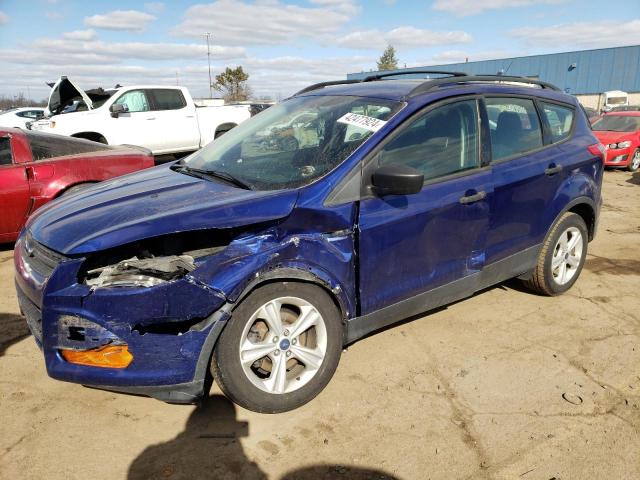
x: 275, y: 339
x: 288, y: 353
x: 294, y: 341
x: 276, y: 353
x: 286, y: 333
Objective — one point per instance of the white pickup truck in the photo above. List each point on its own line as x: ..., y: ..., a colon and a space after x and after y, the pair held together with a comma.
x: 163, y: 119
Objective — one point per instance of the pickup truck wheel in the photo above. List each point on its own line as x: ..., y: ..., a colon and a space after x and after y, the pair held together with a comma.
x: 562, y: 256
x: 280, y: 349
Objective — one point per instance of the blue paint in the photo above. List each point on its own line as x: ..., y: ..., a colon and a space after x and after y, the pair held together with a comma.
x: 368, y: 253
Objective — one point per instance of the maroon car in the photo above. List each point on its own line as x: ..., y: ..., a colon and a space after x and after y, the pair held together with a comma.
x: 37, y: 167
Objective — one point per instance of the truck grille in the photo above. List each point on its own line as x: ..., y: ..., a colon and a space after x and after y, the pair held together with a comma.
x: 39, y: 258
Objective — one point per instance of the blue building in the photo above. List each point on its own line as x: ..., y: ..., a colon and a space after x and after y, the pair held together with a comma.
x: 586, y: 73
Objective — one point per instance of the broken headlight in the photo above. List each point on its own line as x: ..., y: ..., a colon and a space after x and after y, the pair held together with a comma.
x: 146, y: 272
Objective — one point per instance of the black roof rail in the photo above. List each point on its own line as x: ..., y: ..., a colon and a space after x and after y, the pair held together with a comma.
x: 378, y: 76
x: 436, y: 82
x: 433, y: 83
x: 317, y: 86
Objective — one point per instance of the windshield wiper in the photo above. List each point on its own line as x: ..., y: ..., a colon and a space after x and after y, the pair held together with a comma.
x: 208, y: 174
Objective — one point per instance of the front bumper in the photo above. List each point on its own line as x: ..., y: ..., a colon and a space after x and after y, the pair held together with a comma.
x: 618, y: 157
x: 170, y: 329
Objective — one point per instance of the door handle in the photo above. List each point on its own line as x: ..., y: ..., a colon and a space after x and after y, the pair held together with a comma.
x: 473, y: 198
x: 150, y: 118
x: 553, y: 169
x: 29, y: 173
x: 189, y: 116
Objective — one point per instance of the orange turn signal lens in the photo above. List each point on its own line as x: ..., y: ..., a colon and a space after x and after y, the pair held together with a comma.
x: 109, y: 356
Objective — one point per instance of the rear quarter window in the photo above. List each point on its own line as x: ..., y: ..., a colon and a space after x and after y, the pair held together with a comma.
x: 6, y: 157
x: 45, y: 146
x: 168, y: 99
x: 560, y: 120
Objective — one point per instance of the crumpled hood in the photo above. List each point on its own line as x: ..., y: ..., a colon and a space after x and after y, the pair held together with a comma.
x: 149, y: 203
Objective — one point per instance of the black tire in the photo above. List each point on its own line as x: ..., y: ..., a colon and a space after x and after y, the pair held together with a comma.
x: 542, y: 280
x: 634, y: 162
x: 75, y: 189
x: 225, y: 362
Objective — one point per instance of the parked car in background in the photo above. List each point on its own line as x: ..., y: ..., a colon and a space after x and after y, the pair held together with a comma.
x: 163, y: 119
x: 619, y: 132
x: 36, y: 167
x: 261, y: 256
x: 19, y: 117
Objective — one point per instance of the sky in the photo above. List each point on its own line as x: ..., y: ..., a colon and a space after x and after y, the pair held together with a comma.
x: 284, y: 45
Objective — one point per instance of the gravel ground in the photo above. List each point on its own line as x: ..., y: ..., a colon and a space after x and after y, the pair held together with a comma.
x: 503, y: 385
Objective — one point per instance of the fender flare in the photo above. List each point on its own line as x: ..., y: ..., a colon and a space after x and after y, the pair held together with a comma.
x: 582, y: 200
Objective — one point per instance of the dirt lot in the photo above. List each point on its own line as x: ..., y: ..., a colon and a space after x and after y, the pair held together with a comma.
x: 503, y: 385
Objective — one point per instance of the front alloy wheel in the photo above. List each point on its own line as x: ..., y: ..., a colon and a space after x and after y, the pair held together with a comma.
x: 283, y: 345
x: 280, y: 348
x: 634, y: 164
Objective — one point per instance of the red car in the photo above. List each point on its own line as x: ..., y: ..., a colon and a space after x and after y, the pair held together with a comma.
x: 619, y: 132
x: 36, y: 167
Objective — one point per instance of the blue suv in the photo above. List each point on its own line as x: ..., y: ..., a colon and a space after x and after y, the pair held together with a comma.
x: 346, y: 208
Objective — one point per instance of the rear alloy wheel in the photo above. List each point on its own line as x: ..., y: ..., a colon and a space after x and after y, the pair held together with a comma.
x: 280, y: 349
x: 562, y: 256
x: 634, y: 163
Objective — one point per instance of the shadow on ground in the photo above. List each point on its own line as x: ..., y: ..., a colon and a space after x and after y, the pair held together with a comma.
x: 13, y: 328
x: 5, y: 247
x: 635, y: 178
x: 209, y: 448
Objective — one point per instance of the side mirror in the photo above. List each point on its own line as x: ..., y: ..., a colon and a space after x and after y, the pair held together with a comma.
x: 117, y: 108
x: 397, y: 180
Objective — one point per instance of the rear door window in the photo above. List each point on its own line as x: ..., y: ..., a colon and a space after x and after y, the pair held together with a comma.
x: 440, y: 142
x: 168, y: 99
x: 514, y: 126
x: 560, y: 120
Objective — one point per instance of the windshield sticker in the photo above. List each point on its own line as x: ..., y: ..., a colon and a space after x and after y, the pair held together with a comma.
x: 362, y: 121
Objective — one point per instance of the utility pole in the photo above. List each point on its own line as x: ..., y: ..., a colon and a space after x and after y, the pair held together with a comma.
x: 208, y: 35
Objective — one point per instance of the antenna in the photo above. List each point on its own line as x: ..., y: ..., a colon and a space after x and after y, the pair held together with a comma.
x: 208, y: 35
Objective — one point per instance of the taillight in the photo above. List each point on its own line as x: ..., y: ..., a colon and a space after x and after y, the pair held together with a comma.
x: 598, y: 150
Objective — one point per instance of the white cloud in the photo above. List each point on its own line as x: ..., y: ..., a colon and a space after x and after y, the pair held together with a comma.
x: 4, y: 18
x: 463, y: 8
x: 234, y: 22
x: 581, y: 34
x: 350, y: 7
x: 84, y: 35
x: 154, y: 7
x: 401, y: 37
x: 75, y: 50
x: 130, y: 20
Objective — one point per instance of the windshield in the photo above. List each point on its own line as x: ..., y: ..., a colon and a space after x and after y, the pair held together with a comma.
x: 295, y: 142
x: 617, y: 123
